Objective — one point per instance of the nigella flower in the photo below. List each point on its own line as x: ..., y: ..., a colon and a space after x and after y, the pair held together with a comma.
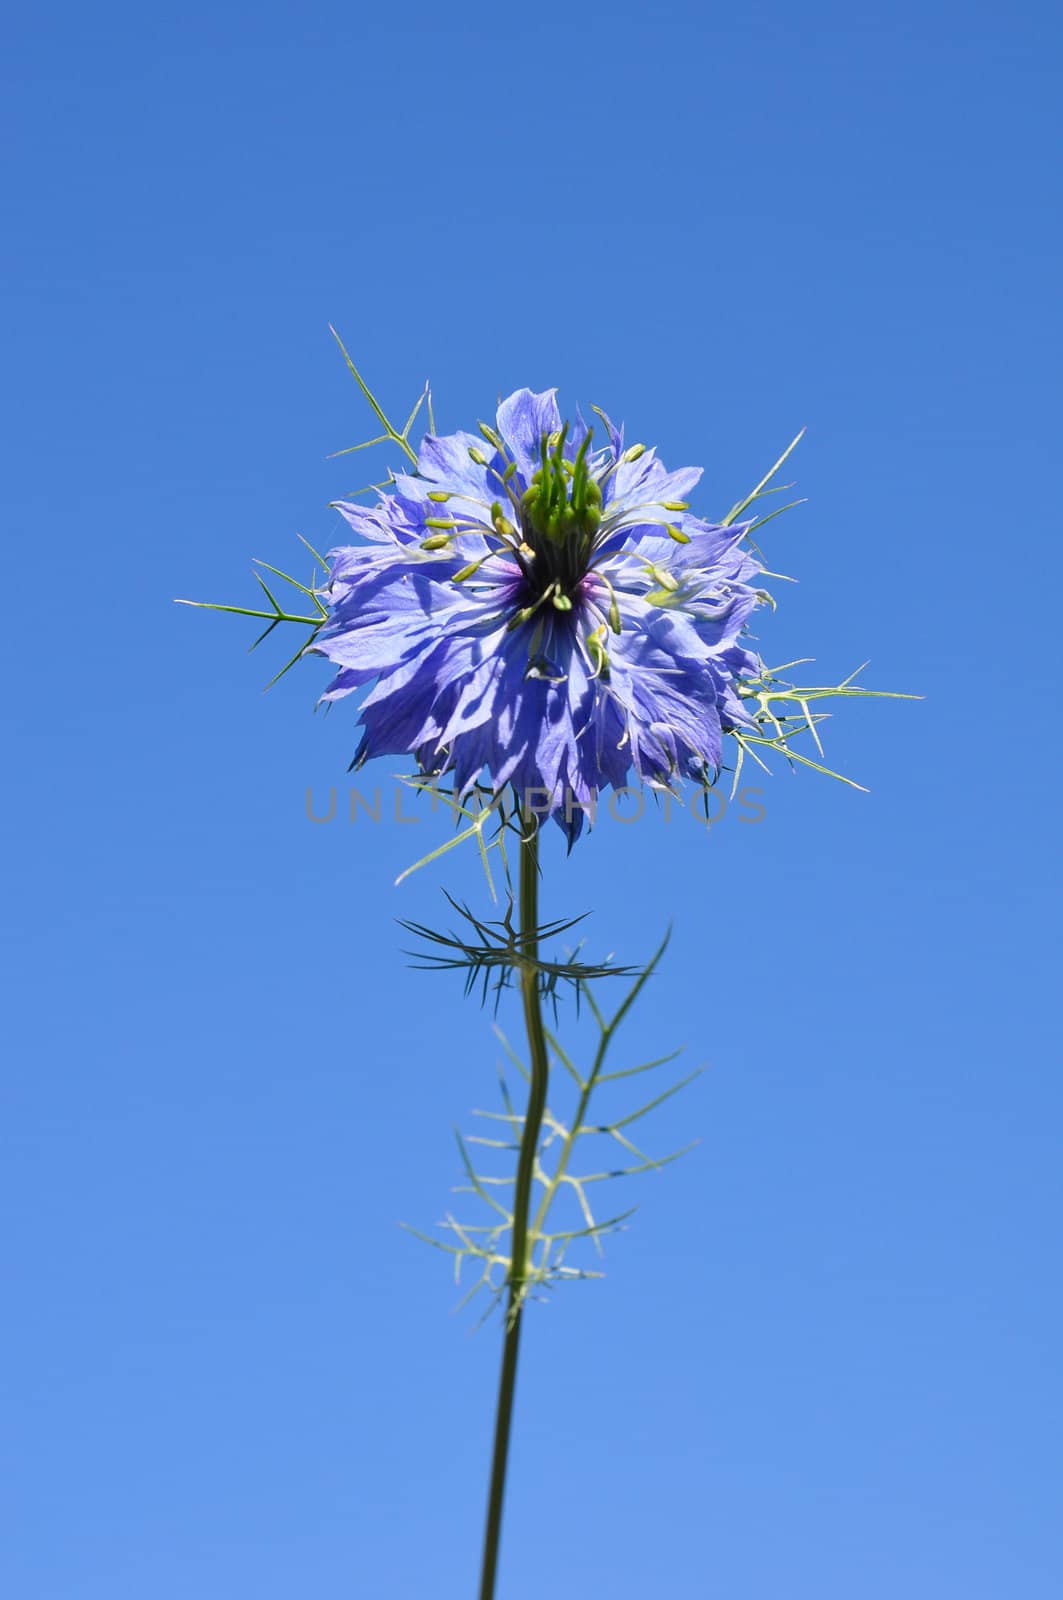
x: 548, y: 615
x: 542, y: 613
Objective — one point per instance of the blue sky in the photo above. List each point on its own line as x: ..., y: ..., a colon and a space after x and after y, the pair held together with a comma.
x: 823, y: 1362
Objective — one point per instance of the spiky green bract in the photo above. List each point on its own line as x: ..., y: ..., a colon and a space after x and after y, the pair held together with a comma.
x: 559, y: 1172
x: 500, y: 950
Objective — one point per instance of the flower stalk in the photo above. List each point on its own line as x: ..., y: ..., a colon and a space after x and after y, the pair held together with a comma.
x: 539, y: 1063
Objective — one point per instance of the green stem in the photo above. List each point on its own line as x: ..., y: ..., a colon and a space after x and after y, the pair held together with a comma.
x: 529, y: 1146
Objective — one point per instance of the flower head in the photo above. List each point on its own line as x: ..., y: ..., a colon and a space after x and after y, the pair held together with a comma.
x: 543, y: 611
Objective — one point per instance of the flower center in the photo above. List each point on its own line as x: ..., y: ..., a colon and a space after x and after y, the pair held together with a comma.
x: 563, y: 502
x: 561, y: 512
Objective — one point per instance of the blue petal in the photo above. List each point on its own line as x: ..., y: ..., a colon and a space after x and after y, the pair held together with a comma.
x: 445, y: 461
x: 522, y: 420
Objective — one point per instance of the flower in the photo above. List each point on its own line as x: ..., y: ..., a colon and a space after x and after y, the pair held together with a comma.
x: 542, y: 612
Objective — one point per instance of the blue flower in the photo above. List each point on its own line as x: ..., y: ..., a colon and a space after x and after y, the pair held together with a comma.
x: 533, y: 611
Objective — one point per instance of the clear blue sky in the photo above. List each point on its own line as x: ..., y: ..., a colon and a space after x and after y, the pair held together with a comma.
x: 824, y: 1362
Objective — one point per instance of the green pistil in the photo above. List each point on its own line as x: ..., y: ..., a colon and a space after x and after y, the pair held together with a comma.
x: 562, y: 506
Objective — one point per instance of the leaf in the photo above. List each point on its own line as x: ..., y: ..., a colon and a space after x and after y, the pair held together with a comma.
x: 390, y: 431
x: 737, y: 509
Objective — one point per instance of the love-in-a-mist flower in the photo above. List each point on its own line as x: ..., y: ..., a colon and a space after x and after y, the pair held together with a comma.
x: 536, y: 610
x: 531, y: 606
